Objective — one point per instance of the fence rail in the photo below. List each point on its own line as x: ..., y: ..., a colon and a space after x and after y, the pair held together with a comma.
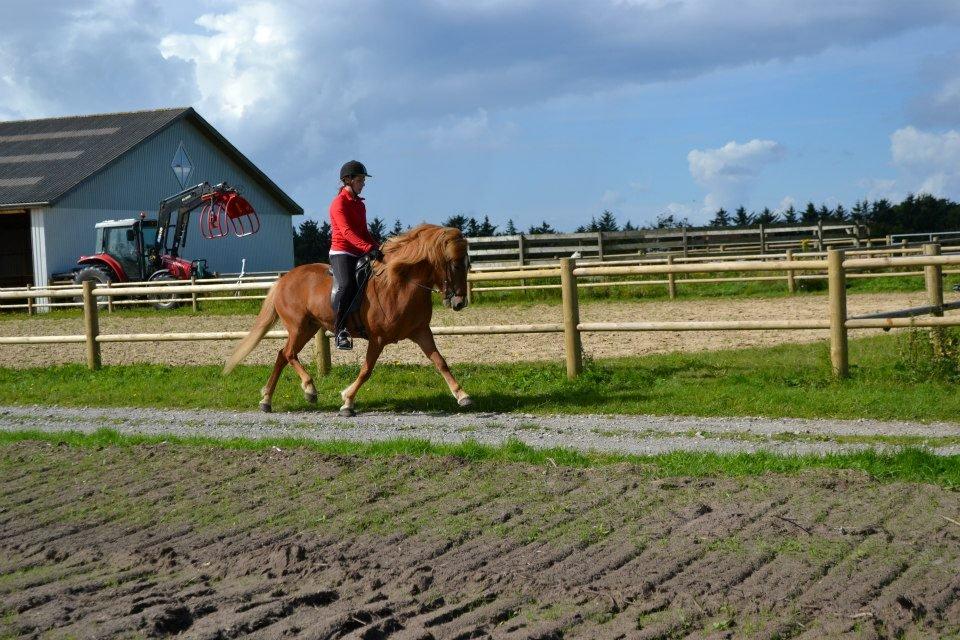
x: 835, y: 318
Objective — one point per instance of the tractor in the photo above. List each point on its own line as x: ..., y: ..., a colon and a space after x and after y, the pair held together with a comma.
x: 142, y: 250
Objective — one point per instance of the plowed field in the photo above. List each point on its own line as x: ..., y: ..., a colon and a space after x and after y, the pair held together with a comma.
x: 158, y: 540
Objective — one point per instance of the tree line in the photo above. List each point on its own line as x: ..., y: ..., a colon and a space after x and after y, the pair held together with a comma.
x: 915, y: 214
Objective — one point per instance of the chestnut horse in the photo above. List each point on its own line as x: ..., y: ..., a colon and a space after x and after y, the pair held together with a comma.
x: 396, y: 306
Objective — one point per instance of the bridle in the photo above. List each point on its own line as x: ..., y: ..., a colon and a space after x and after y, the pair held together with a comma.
x: 447, y: 289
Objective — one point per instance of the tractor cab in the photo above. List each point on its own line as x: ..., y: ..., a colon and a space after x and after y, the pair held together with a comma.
x: 130, y: 243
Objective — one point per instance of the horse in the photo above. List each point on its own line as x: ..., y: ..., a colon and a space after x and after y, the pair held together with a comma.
x: 396, y: 306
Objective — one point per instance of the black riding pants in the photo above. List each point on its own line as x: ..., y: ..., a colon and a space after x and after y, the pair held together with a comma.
x: 345, y: 291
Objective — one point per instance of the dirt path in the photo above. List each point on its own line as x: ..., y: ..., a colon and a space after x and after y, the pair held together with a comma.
x: 154, y: 541
x: 467, y: 348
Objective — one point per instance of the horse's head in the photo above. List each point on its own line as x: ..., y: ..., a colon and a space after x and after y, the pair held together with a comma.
x: 457, y: 264
x: 440, y: 253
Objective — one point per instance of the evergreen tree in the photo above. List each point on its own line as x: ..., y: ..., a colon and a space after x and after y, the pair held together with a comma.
x: 860, y: 211
x: 378, y: 230
x: 472, y: 229
x: 607, y: 222
x: 510, y: 229
x: 809, y: 215
x: 741, y: 218
x: 721, y: 218
x: 542, y: 228
x: 592, y: 227
x: 628, y: 226
x: 823, y: 213
x: 669, y: 221
x: 486, y: 228
x: 458, y: 221
x: 397, y: 228
x: 766, y: 217
x: 311, y: 243
x: 840, y: 214
x: 790, y: 216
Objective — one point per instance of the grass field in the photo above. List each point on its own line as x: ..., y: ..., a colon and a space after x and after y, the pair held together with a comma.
x: 893, y: 377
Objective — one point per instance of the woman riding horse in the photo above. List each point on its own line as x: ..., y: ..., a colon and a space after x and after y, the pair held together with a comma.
x: 396, y: 306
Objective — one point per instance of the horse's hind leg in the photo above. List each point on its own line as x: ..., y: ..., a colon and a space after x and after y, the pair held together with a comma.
x: 425, y: 339
x: 374, y: 348
x: 291, y: 352
x: 266, y: 402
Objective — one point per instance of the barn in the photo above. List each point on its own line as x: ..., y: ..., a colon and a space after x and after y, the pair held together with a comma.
x: 61, y: 176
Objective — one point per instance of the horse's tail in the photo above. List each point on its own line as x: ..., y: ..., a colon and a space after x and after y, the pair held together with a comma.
x: 265, y: 320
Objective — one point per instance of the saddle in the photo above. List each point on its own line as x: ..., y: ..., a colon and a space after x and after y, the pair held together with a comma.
x: 354, y: 320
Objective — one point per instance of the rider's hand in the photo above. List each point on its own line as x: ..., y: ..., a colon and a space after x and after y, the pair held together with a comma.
x: 375, y: 254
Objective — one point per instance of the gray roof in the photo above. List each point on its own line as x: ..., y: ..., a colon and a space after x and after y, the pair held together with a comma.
x: 43, y: 160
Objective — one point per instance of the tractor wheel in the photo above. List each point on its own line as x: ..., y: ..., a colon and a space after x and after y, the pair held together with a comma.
x: 97, y: 275
x: 164, y: 302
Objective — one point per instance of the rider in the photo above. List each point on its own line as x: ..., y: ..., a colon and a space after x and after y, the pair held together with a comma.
x: 350, y: 243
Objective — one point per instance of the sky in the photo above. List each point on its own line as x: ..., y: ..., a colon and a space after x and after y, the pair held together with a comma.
x: 526, y: 110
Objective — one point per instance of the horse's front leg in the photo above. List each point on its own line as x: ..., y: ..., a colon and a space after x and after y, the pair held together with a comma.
x: 424, y: 338
x: 374, y: 348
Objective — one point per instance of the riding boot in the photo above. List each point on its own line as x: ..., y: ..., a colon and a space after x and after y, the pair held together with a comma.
x: 341, y: 336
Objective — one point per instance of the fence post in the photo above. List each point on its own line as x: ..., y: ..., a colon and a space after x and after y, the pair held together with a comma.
x: 91, y: 325
x: 193, y: 294
x: 685, y: 246
x: 837, y: 284
x: 791, y: 280
x: 763, y: 240
x: 933, y: 275
x: 600, y: 245
x: 109, y: 300
x: 321, y: 352
x: 671, y: 280
x: 571, y: 318
x: 819, y: 235
x: 904, y: 245
x: 521, y: 250
x: 29, y: 302
x: 469, y: 293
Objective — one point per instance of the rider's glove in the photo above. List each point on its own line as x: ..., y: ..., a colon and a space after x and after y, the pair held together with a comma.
x: 375, y: 254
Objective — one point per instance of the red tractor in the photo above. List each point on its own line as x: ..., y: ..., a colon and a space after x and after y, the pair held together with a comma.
x: 134, y: 250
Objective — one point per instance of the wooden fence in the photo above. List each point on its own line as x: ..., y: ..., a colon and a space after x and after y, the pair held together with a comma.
x: 835, y: 317
x: 524, y: 249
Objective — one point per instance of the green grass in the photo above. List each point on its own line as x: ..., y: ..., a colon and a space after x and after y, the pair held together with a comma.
x: 910, y: 465
x: 784, y: 381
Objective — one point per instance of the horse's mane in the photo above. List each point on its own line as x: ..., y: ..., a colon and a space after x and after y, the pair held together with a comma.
x: 424, y: 243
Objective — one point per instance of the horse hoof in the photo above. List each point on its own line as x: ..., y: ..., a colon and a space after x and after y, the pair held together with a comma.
x: 347, y: 413
x: 310, y: 397
x: 465, y: 401
x: 265, y: 407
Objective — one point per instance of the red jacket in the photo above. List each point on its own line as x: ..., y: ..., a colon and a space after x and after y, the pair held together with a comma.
x: 348, y: 224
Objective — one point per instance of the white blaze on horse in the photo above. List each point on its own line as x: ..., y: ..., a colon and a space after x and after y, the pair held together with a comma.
x: 396, y: 306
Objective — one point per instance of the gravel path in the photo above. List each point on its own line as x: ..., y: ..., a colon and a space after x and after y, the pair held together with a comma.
x: 642, y: 434
x: 494, y: 348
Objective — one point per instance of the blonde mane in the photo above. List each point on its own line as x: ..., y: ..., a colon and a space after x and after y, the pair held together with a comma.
x: 429, y: 243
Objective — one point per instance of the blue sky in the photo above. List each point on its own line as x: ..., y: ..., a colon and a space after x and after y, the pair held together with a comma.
x: 527, y: 109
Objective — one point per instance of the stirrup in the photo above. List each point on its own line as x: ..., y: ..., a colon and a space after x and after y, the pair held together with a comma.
x: 343, y: 341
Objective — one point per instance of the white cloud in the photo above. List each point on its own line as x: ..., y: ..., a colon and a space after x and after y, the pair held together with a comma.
x: 611, y: 198
x: 928, y: 162
x: 730, y: 172
x: 786, y: 203
x: 470, y: 132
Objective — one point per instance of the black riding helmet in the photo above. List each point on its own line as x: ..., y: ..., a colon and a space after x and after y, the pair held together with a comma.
x: 353, y: 168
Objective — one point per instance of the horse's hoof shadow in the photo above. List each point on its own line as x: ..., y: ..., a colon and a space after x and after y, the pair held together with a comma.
x: 266, y: 408
x: 347, y: 413
x: 465, y: 402
x: 310, y: 397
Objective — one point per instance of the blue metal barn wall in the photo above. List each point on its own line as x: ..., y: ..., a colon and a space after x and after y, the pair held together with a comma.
x: 142, y: 178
